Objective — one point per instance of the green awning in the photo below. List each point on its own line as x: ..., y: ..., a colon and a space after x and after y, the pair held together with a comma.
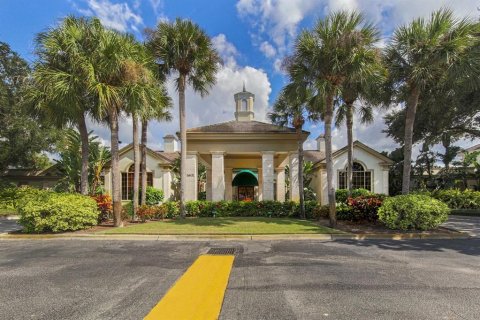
x: 245, y: 178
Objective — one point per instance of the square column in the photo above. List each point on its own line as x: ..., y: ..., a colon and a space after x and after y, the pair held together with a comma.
x: 268, y: 175
x: 166, y: 184
x: 294, y: 186
x: 280, y: 175
x: 191, y: 185
x: 218, y: 176
x: 228, y: 184
x: 208, y: 187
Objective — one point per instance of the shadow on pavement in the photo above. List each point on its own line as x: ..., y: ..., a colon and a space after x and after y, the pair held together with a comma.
x: 464, y: 246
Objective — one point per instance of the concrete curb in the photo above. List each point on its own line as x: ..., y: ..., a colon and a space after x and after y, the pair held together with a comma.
x: 10, y: 217
x: 226, y: 237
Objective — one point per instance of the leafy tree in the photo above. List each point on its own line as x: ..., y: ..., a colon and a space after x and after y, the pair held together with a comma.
x: 324, y: 58
x: 62, y: 75
x: 184, y: 49
x: 24, y: 136
x: 291, y: 108
x: 70, y: 161
x: 424, y: 52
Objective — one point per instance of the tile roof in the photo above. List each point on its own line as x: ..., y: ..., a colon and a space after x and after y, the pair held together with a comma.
x: 242, y: 127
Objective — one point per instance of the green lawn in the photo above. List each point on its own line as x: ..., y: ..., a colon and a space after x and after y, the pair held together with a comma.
x: 226, y: 226
x: 7, y: 211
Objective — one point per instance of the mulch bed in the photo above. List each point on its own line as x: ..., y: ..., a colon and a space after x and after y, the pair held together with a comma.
x: 366, y: 227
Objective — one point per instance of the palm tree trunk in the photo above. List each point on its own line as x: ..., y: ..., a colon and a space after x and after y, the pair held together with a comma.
x: 116, y: 176
x: 82, y: 129
x: 300, y: 173
x: 349, y: 147
x: 143, y: 165
x: 328, y: 159
x: 136, y: 165
x: 408, y: 140
x: 183, y: 141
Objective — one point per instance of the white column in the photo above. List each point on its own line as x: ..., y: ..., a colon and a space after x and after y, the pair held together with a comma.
x: 294, y: 187
x: 259, y: 191
x: 280, y: 184
x: 228, y: 184
x: 268, y: 175
x: 385, y: 182
x: 191, y: 184
x: 218, y: 176
x: 166, y: 184
x: 208, y: 187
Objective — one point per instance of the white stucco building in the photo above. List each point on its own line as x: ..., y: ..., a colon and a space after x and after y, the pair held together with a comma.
x: 246, y: 159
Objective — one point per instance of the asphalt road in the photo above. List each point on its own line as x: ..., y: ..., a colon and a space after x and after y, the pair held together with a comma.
x: 99, y: 279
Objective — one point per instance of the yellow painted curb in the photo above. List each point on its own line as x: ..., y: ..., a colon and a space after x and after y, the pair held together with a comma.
x: 199, y: 292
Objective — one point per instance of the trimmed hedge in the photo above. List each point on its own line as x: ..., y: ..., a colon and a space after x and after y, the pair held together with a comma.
x: 200, y: 208
x: 458, y: 199
x: 56, y: 212
x: 413, y: 211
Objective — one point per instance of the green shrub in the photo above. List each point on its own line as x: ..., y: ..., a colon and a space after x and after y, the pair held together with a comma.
x: 413, y: 212
x: 458, y: 199
x: 154, y: 196
x: 12, y: 197
x: 57, y: 212
x: 341, y: 195
x: 344, y: 211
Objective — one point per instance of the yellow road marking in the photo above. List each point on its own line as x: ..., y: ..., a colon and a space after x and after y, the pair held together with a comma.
x: 198, y: 294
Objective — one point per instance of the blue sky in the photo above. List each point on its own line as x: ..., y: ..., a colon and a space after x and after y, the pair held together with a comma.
x: 251, y: 35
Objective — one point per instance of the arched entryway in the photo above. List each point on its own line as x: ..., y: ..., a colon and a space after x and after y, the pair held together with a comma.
x: 244, y: 184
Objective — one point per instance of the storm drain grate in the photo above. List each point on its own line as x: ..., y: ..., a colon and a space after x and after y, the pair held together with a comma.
x: 221, y: 251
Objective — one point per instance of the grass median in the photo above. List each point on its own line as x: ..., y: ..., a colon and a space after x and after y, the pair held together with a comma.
x: 225, y: 226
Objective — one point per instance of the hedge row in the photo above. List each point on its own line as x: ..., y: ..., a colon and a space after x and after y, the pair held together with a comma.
x: 202, y: 208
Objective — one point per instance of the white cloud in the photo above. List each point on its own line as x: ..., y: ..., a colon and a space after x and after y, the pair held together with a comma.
x: 118, y: 16
x: 227, y: 50
x: 218, y: 106
x: 267, y: 49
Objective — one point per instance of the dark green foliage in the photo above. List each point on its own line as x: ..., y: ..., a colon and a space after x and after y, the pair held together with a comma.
x: 23, y: 135
x: 276, y: 209
x: 46, y: 211
x: 414, y: 211
x: 458, y: 199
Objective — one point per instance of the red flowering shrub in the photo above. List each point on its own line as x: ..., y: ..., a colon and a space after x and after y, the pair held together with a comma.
x: 104, y: 204
x: 364, y: 208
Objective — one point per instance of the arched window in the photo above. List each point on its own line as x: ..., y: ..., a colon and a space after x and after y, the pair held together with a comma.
x: 127, y: 182
x: 244, y: 106
x: 361, y: 178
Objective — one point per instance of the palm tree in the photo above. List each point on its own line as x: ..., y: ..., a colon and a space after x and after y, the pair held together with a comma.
x: 323, y: 60
x: 425, y: 52
x: 362, y: 86
x: 291, y: 109
x: 61, y: 78
x: 158, y: 112
x: 183, y: 48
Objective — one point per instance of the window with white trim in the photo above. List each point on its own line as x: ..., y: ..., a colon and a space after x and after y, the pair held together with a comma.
x: 361, y: 178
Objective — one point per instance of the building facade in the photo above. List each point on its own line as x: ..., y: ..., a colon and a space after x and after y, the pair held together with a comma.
x: 246, y: 159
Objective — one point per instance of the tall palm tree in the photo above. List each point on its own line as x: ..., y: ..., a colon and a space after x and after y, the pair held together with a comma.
x: 183, y: 48
x: 361, y: 87
x: 291, y: 108
x: 158, y: 112
x: 323, y: 59
x: 121, y: 77
x: 424, y: 52
x: 61, y: 78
